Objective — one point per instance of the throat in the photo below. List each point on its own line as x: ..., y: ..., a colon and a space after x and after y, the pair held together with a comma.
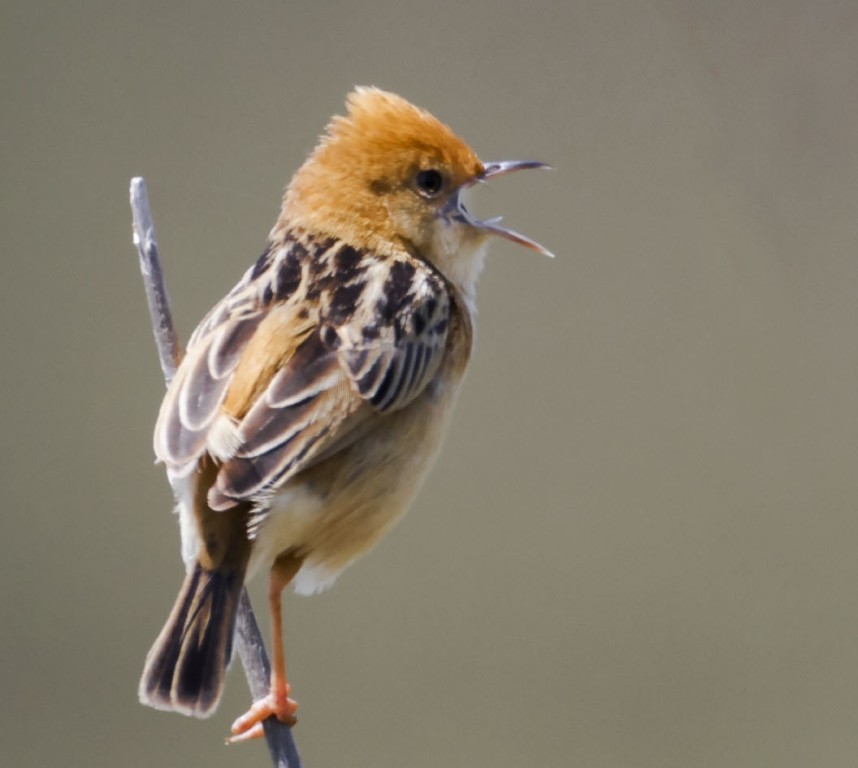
x: 463, y: 269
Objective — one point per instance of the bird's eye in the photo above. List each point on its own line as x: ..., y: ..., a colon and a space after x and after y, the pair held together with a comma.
x: 429, y: 182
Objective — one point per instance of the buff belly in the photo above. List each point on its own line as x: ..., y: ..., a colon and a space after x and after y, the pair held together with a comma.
x: 340, y: 508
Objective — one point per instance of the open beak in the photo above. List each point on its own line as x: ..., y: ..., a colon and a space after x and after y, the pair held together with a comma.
x: 493, y: 226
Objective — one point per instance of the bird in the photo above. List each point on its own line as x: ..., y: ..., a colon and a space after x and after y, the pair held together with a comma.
x: 312, y: 400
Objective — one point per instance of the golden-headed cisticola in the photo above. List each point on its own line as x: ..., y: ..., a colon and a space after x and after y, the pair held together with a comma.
x: 312, y: 399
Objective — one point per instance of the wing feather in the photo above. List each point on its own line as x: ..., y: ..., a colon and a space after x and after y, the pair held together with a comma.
x: 331, y: 385
x: 391, y: 368
x: 307, y: 403
x: 193, y: 401
x: 298, y: 379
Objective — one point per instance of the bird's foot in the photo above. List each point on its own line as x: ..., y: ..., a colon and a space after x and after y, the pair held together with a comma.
x: 275, y: 704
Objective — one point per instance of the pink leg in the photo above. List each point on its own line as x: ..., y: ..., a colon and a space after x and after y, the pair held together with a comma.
x: 277, y: 703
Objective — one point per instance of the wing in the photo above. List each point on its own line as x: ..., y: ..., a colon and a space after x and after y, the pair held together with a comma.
x: 307, y: 405
x: 363, y: 358
x: 315, y: 341
x: 192, y: 404
x: 391, y: 353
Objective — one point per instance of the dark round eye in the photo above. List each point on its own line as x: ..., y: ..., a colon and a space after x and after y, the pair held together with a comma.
x: 429, y: 182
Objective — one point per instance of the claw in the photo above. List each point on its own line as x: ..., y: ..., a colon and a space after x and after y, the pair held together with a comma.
x: 255, y: 732
x: 249, y: 725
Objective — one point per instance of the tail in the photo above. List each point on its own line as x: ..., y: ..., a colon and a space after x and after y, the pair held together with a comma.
x: 185, y: 668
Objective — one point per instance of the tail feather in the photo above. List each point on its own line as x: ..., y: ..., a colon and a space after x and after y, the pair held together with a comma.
x: 185, y: 668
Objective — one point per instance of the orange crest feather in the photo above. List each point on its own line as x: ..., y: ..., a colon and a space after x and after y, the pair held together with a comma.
x: 377, y: 146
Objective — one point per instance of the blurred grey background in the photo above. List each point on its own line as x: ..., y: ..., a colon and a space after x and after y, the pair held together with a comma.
x: 639, y: 545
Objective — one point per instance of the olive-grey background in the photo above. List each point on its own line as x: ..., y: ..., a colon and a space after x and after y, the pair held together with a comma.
x: 639, y: 545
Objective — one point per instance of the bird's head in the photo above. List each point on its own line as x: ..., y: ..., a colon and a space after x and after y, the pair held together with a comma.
x: 388, y: 176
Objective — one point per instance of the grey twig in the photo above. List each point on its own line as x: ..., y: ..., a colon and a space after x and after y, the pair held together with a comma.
x: 166, y: 338
x: 248, y: 640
